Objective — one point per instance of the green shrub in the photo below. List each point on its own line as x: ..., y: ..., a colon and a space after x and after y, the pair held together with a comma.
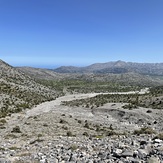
x: 110, y: 133
x: 85, y: 134
x: 74, y: 147
x: 79, y: 121
x: 86, y: 125
x: 69, y: 134
x: 3, y: 121
x: 62, y: 121
x: 159, y: 136
x: 16, y: 129
x: 144, y: 130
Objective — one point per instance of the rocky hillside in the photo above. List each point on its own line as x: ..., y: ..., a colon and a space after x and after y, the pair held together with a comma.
x: 116, y: 67
x: 39, y: 73
x: 19, y: 91
x: 129, y: 78
x: 132, y: 79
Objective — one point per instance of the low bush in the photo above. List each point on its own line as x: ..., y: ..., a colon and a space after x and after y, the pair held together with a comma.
x: 144, y: 130
x: 16, y: 129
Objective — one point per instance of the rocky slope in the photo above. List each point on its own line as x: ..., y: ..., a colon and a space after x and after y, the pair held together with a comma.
x: 19, y: 91
x: 54, y: 133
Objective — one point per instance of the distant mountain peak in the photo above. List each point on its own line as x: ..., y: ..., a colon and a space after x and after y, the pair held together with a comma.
x: 120, y: 63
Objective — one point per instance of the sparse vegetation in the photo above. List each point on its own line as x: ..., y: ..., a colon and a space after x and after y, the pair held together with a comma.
x: 11, y: 136
x: 87, y: 86
x: 159, y: 136
x: 3, y: 121
x: 16, y: 129
x: 19, y: 92
x: 130, y: 106
x: 144, y: 130
x: 69, y: 134
x: 73, y: 147
x: 14, y: 148
x: 86, y: 125
x: 85, y: 134
x: 62, y: 121
x: 133, y: 100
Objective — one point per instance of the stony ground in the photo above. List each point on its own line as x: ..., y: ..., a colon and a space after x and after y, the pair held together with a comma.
x: 53, y: 133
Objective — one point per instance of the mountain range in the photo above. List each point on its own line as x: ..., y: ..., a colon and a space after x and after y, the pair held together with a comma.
x: 116, y: 67
x: 144, y: 74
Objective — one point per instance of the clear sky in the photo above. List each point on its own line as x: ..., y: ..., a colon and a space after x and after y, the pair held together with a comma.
x: 50, y: 33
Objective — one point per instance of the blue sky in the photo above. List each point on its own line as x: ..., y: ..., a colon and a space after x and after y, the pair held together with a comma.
x: 50, y: 33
